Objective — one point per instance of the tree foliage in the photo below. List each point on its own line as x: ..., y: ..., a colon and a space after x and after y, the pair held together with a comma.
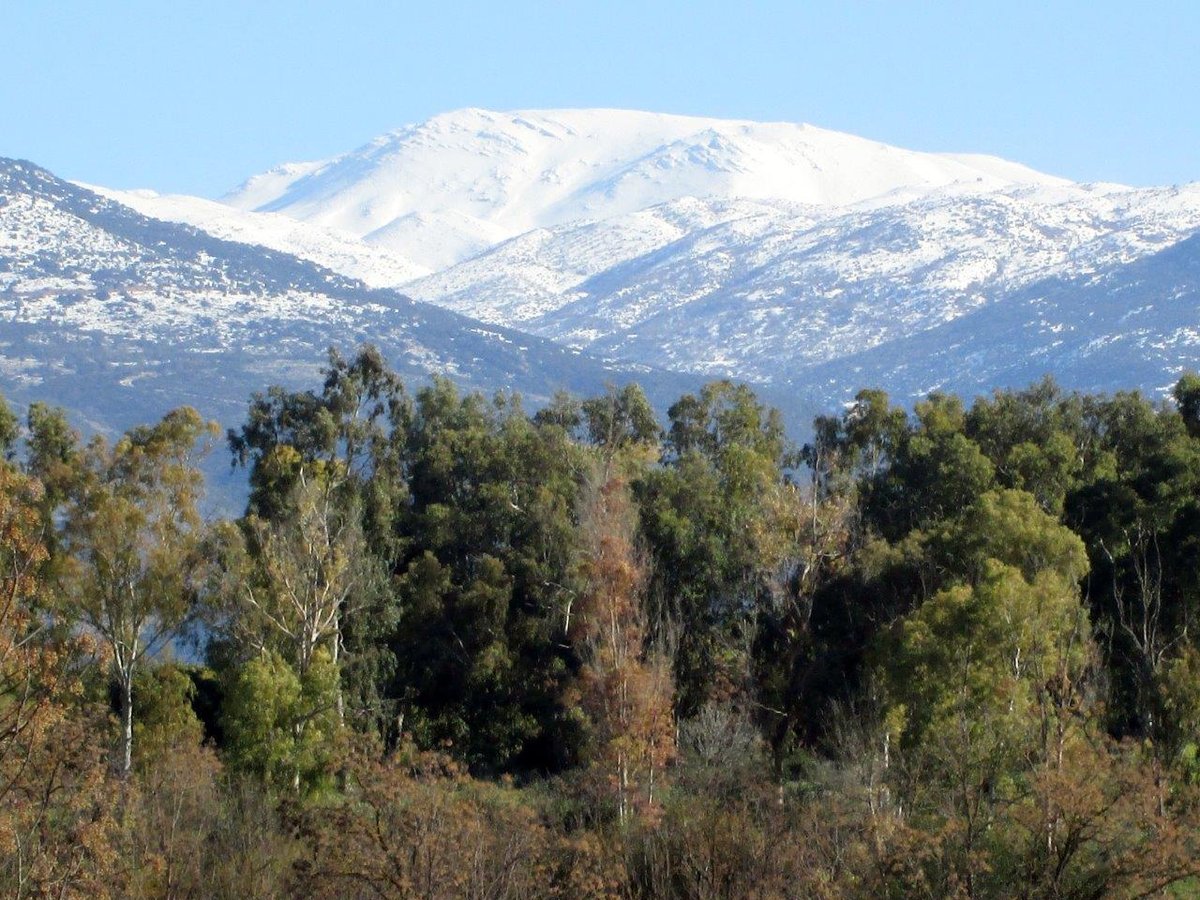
x: 453, y: 647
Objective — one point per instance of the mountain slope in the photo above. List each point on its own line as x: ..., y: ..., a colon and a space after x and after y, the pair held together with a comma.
x: 340, y: 252
x: 724, y: 248
x: 121, y: 317
x: 1130, y: 325
x: 758, y: 289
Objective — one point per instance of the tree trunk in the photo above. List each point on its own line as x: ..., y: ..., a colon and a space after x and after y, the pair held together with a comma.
x: 127, y: 723
x: 337, y: 646
x: 297, y: 733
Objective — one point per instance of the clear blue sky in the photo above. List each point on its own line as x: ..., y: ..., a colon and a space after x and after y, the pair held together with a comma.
x: 193, y: 97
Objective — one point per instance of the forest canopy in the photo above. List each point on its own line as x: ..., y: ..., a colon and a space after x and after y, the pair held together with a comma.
x: 456, y: 647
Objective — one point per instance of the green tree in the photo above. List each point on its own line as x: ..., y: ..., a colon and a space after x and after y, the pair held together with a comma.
x: 1187, y: 400
x: 347, y: 438
x: 346, y: 428
x: 10, y: 430
x: 937, y: 470
x: 280, y: 725
x: 1178, y: 687
x: 290, y: 583
x: 718, y: 522
x: 131, y: 541
x: 986, y: 677
x: 166, y: 721
x: 620, y: 418
x: 1036, y: 438
x: 485, y: 584
x: 1138, y: 509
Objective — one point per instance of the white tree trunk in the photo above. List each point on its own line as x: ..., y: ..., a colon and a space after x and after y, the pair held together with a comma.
x: 127, y: 722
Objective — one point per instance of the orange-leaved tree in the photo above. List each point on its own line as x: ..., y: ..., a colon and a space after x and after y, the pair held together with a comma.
x: 55, y: 828
x: 624, y: 687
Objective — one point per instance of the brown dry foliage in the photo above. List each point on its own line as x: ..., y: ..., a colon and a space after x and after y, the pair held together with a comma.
x: 56, y: 822
x: 416, y: 825
x: 624, y: 687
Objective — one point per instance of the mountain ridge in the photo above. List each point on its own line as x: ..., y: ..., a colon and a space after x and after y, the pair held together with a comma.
x: 802, y: 299
x: 121, y: 316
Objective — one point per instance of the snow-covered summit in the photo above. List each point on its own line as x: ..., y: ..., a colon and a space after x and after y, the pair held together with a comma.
x: 443, y: 190
x: 765, y: 251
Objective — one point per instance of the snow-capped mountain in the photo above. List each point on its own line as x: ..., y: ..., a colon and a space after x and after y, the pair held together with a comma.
x: 443, y: 190
x: 726, y: 248
x: 757, y: 290
x: 121, y: 317
x: 809, y: 262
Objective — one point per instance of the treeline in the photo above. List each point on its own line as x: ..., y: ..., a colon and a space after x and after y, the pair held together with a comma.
x: 457, y: 649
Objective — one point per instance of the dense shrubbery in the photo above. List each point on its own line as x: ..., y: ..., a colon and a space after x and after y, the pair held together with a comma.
x: 455, y: 649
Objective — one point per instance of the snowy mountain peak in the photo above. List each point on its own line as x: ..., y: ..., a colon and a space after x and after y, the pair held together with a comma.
x: 443, y: 190
x: 765, y: 251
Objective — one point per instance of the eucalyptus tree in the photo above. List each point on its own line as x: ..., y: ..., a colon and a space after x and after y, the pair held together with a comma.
x: 132, y: 534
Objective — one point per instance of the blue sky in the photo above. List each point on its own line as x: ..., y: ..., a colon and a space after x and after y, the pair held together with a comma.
x: 193, y: 97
